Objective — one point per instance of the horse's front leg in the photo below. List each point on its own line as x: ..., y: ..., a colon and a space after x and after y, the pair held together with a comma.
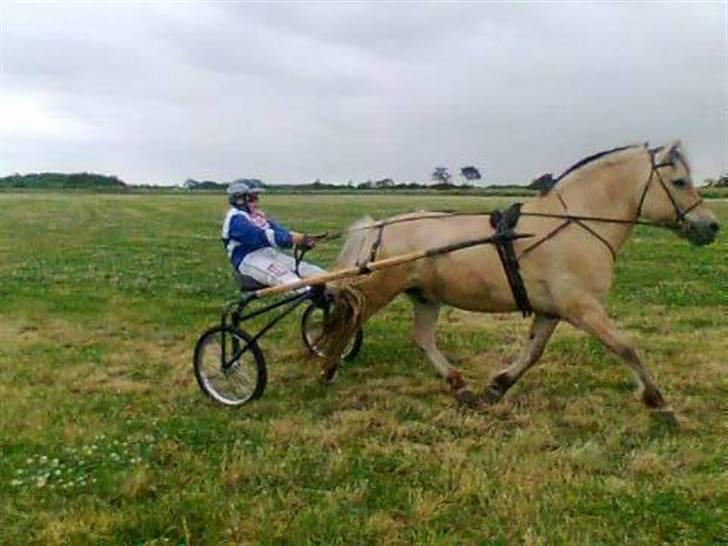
x: 540, y: 332
x: 594, y: 320
x: 423, y: 333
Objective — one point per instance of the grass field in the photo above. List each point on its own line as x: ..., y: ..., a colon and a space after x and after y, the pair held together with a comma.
x: 106, y: 439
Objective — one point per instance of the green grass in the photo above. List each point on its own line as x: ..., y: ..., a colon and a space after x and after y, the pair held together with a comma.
x: 106, y: 439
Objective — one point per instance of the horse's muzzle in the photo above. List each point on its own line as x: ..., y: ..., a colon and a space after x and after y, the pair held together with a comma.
x: 699, y: 231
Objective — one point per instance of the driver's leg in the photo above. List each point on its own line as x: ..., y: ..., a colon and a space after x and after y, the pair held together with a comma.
x: 309, y: 270
x: 304, y: 268
x: 266, y: 267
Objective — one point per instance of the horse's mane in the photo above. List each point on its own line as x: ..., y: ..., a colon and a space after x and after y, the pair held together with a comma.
x: 590, y: 159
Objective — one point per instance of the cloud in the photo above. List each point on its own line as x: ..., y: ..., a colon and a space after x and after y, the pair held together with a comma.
x: 290, y: 92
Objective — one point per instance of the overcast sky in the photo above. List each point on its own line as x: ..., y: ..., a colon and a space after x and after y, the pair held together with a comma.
x: 158, y: 92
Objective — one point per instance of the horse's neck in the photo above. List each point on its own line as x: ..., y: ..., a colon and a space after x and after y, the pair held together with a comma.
x: 610, y: 195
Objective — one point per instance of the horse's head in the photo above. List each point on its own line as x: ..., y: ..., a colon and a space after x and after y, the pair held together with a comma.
x: 669, y: 197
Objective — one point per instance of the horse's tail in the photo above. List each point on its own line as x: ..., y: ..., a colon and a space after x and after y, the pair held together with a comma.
x: 358, y: 243
x: 345, y: 317
x: 350, y: 295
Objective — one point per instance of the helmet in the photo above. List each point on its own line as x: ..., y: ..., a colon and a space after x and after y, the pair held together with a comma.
x: 256, y: 186
x: 240, y: 189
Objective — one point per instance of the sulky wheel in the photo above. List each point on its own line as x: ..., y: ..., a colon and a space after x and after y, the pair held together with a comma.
x: 229, y: 366
x: 312, y: 328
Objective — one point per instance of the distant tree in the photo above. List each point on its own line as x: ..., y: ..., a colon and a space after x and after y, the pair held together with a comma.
x: 470, y: 173
x: 190, y: 184
x: 722, y: 181
x: 210, y: 185
x: 543, y: 183
x: 384, y: 183
x: 441, y: 175
x: 365, y: 185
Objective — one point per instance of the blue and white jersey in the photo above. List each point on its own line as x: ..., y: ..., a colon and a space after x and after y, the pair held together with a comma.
x: 243, y: 233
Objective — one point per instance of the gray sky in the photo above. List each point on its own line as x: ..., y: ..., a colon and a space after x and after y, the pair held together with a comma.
x: 159, y: 92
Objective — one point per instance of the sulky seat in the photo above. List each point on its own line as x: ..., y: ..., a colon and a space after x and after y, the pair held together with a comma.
x: 247, y: 283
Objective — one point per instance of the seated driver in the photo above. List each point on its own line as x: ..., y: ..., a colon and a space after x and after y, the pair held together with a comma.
x: 253, y: 241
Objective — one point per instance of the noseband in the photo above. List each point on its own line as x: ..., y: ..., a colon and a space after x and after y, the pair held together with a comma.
x: 680, y: 214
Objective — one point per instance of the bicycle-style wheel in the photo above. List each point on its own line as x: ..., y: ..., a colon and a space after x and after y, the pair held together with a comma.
x: 229, y: 367
x: 313, y: 323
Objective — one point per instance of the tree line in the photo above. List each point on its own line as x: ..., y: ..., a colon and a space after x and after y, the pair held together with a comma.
x: 442, y: 181
x: 63, y: 181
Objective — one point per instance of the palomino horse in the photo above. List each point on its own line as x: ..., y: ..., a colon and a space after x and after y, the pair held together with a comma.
x: 566, y: 266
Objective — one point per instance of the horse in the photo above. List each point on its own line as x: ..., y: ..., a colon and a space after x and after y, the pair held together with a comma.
x: 578, y: 226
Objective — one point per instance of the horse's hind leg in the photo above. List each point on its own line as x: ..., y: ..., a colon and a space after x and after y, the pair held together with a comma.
x: 541, y: 329
x: 424, y: 326
x: 594, y: 320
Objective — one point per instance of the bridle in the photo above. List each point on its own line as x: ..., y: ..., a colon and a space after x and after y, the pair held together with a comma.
x: 680, y: 214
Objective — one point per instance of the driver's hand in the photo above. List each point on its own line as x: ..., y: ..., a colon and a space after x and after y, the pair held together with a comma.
x: 308, y: 242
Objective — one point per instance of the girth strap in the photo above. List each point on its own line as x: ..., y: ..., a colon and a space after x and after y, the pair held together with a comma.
x: 504, y: 224
x: 376, y: 245
x: 372, y: 251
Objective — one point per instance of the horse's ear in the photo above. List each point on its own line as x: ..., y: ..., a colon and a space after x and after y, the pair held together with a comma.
x: 673, y: 147
x: 670, y: 151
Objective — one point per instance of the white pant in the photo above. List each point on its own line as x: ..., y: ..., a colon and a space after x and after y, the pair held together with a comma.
x: 270, y: 267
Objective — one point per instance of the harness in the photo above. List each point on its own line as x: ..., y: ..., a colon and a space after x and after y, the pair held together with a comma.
x: 372, y: 256
x: 504, y: 224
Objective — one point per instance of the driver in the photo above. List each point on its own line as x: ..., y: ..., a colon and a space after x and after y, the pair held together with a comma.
x: 253, y: 241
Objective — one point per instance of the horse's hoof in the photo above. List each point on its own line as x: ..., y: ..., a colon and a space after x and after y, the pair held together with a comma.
x: 325, y: 382
x: 666, y: 416
x: 467, y: 398
x: 497, y: 388
x: 492, y: 396
x: 653, y: 399
x: 328, y: 375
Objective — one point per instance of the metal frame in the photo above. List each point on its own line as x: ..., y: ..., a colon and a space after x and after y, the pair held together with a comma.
x: 235, y: 312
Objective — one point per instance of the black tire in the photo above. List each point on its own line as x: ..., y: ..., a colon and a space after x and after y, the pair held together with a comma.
x: 245, y: 379
x: 311, y: 327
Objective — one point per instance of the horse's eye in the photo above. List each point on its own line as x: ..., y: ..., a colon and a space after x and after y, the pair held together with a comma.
x: 680, y: 182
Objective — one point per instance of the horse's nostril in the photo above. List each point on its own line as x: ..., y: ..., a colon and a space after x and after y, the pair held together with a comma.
x: 714, y: 227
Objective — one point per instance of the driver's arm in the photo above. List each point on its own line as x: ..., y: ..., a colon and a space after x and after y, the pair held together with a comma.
x: 297, y: 238
x: 285, y: 238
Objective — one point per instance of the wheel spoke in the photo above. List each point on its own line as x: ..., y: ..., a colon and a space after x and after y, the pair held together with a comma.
x: 241, y: 380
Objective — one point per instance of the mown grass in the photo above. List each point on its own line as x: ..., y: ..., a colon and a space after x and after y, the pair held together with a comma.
x: 106, y: 439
